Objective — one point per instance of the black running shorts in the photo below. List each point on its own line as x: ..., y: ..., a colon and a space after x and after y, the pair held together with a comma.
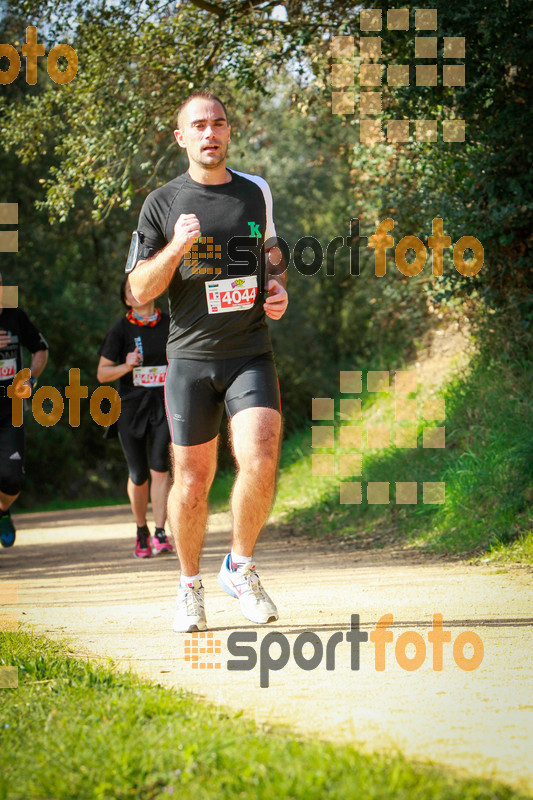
x: 196, y: 391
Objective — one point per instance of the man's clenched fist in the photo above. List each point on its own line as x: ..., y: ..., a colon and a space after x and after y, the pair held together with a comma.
x: 186, y: 230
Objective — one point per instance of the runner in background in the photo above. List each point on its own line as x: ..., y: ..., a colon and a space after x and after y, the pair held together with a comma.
x: 138, y: 343
x: 16, y: 332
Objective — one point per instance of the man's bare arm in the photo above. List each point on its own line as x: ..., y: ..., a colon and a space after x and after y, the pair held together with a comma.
x: 151, y: 277
x: 38, y: 362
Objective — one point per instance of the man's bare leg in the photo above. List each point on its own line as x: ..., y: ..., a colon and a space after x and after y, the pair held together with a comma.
x: 256, y: 437
x: 6, y: 500
x: 193, y: 472
x: 159, y: 496
x: 138, y: 495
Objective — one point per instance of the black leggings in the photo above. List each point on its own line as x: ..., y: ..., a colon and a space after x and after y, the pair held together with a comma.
x: 12, y: 453
x: 157, y: 437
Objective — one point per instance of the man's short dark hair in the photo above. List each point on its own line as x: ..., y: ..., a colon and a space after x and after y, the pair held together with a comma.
x: 203, y: 94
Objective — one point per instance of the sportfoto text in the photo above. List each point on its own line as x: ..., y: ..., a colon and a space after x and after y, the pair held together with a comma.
x: 246, y: 656
x: 19, y: 390
x: 33, y: 50
x: 245, y: 260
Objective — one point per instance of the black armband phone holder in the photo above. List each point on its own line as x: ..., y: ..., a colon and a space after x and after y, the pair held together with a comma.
x: 137, y: 238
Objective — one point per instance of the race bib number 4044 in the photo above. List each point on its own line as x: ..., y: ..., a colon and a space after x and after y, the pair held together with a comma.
x: 231, y: 294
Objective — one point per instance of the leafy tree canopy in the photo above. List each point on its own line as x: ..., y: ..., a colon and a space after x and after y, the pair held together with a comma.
x: 109, y: 130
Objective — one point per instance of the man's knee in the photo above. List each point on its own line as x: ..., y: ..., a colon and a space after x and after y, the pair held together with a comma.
x: 192, y: 479
x: 192, y: 487
x: 261, y: 460
x: 193, y: 470
x: 260, y: 450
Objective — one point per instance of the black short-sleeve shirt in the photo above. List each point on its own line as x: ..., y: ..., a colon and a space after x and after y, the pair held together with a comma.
x: 122, y: 338
x: 240, y: 208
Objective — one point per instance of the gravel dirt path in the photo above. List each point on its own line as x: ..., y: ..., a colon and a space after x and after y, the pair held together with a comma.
x: 76, y: 577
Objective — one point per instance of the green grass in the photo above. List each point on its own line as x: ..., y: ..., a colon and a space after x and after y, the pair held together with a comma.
x: 487, y: 467
x: 518, y: 552
x: 219, y: 495
x: 74, y: 729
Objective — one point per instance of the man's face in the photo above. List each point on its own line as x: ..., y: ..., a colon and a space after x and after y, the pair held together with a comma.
x: 204, y: 132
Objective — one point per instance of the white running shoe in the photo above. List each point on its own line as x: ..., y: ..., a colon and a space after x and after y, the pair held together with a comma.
x: 190, y: 612
x: 244, y: 584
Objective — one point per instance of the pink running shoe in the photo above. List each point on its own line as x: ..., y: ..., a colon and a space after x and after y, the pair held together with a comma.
x: 160, y: 543
x: 143, y: 548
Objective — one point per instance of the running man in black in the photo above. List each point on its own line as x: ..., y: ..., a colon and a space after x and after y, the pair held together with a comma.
x: 138, y: 343
x: 219, y: 349
x: 16, y: 332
